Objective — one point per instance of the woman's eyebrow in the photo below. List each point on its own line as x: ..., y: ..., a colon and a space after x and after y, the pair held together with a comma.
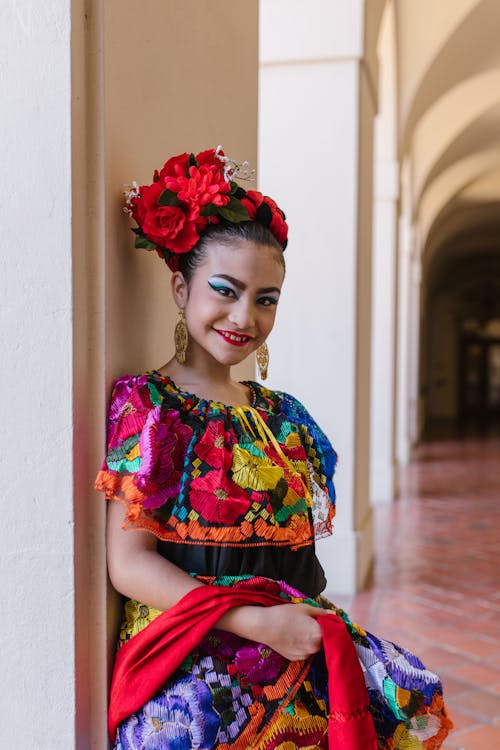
x: 240, y: 285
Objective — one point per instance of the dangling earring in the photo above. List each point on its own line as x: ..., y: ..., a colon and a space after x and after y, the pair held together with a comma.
x: 181, y: 338
x: 262, y: 355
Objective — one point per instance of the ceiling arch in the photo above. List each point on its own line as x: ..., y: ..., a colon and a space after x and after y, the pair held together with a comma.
x: 470, y: 26
x: 463, y: 121
x: 463, y: 227
x: 451, y: 182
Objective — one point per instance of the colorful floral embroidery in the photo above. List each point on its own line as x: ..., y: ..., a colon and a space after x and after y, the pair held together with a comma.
x: 235, y: 693
x: 195, y: 471
x: 217, y: 499
x: 254, y: 471
x: 179, y: 718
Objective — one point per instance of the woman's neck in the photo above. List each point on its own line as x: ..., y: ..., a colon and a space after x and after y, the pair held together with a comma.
x: 211, y: 383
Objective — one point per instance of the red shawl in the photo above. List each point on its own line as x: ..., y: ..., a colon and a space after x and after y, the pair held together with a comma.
x: 144, y: 663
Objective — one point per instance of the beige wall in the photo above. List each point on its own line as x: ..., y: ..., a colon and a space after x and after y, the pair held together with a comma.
x: 177, y: 77
x: 150, y: 80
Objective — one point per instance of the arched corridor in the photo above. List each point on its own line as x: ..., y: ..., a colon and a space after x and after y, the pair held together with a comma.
x: 377, y: 124
x: 436, y: 583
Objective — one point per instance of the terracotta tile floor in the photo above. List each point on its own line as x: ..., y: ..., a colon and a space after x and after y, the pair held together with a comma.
x: 437, y: 579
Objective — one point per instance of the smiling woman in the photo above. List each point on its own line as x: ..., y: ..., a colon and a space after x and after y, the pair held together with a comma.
x: 222, y: 489
x: 230, y: 306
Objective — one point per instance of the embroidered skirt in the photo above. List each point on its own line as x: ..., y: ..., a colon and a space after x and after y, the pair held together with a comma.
x: 234, y: 693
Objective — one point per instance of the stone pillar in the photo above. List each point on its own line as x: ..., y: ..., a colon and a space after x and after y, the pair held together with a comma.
x: 317, y: 105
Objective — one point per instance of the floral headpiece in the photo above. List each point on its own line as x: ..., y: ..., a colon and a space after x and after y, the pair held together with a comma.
x: 191, y: 193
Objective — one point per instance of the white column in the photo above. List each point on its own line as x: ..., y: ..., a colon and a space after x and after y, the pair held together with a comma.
x: 37, y: 691
x: 386, y: 191
x: 414, y: 346
x: 316, y: 120
x: 382, y: 469
x: 403, y: 322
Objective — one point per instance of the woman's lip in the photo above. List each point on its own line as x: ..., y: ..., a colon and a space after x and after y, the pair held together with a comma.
x: 236, y: 339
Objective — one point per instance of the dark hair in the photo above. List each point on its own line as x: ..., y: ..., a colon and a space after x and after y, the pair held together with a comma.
x: 251, y: 231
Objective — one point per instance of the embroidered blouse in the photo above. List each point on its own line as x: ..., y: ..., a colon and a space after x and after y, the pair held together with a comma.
x: 226, y: 490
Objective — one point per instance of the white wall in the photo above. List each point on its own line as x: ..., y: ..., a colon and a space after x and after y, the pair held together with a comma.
x: 315, y: 133
x: 36, y: 544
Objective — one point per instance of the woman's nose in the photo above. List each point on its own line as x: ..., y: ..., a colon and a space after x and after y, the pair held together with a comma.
x: 242, y: 314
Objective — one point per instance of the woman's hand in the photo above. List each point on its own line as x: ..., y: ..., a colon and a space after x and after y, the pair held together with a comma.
x: 289, y: 629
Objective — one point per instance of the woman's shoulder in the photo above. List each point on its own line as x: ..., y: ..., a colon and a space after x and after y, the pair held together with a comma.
x: 279, y: 401
x: 142, y: 392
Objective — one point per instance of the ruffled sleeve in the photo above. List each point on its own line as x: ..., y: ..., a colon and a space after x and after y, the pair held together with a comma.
x: 146, y: 446
x: 321, y: 461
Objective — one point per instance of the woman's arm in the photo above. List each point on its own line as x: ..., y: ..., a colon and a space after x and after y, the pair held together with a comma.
x: 139, y: 572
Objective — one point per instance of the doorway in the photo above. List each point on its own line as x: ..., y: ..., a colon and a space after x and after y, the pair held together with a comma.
x: 479, y: 393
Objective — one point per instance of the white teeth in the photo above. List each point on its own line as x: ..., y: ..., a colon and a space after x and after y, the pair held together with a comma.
x: 239, y: 339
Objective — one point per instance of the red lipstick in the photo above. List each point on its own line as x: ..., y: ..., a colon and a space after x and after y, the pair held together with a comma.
x: 231, y: 337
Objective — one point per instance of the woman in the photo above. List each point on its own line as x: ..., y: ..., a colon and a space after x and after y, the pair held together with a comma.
x: 226, y: 640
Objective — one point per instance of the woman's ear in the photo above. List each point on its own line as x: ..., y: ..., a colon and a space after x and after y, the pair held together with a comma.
x: 179, y: 289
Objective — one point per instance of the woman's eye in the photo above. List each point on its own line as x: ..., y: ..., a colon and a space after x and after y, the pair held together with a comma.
x: 267, y: 301
x: 225, y: 291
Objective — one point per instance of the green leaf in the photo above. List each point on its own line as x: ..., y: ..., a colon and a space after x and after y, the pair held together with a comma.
x: 144, y: 244
x: 234, y: 212
x: 192, y: 161
x: 168, y: 198
x: 136, y: 230
x: 209, y: 210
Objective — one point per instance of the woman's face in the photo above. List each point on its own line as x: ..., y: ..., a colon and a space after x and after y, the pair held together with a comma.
x: 230, y: 303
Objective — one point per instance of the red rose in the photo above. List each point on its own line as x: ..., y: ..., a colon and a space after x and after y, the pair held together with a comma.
x: 175, y: 166
x: 208, y: 157
x: 167, y: 226
x: 148, y: 201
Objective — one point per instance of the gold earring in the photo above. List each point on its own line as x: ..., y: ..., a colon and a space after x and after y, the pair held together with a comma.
x: 262, y: 355
x: 181, y: 338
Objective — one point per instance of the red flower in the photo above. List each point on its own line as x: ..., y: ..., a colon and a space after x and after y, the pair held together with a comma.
x: 194, y: 184
x: 204, y: 185
x: 208, y: 157
x: 174, y: 167
x: 147, y: 201
x: 217, y: 499
x: 215, y: 447
x: 166, y: 226
x: 163, y: 445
